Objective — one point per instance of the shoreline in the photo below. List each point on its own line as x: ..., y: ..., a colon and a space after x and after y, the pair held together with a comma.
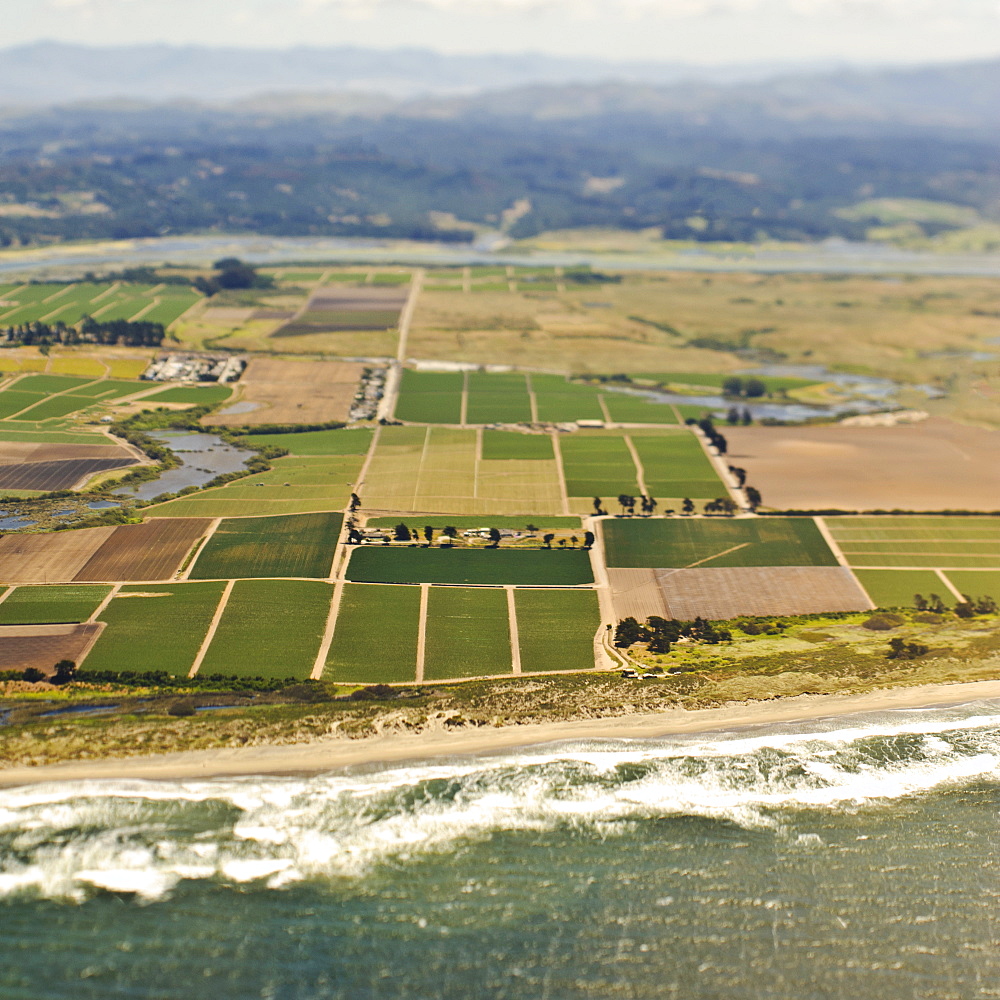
x: 394, y: 748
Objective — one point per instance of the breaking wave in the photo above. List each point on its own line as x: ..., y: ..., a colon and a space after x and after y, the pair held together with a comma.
x: 143, y: 838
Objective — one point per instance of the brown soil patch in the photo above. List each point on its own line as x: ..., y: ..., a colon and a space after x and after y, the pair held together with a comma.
x: 636, y: 594
x: 43, y: 646
x: 786, y: 590
x: 935, y: 465
x: 49, y: 476
x: 49, y: 558
x: 295, y: 392
x: 227, y: 314
x: 153, y: 550
x: 25, y: 452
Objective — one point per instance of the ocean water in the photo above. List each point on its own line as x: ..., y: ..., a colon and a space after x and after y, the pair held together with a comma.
x: 852, y: 858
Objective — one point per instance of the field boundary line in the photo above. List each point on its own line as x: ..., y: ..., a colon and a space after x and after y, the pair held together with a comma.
x: 98, y: 632
x: 52, y: 395
x: 716, y: 555
x: 955, y: 592
x: 331, y: 623
x: 831, y: 541
x: 212, y: 528
x: 145, y: 309
x: 107, y: 600
x: 640, y: 471
x: 10, y: 590
x: 532, y: 398
x: 515, y: 639
x: 406, y: 316
x: 420, y: 467
x: 212, y: 628
x: 107, y: 291
x: 425, y: 593
x: 599, y: 567
x: 466, y: 279
x: 563, y: 495
x: 56, y: 295
x: 604, y: 409
x: 463, y: 408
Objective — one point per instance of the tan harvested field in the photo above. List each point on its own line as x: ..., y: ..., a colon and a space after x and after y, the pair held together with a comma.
x: 636, y: 594
x: 28, y: 452
x: 299, y: 392
x: 783, y: 590
x: 43, y: 646
x: 153, y: 550
x: 934, y: 465
x: 49, y: 558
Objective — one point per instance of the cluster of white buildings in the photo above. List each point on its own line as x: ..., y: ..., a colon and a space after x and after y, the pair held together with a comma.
x: 195, y: 368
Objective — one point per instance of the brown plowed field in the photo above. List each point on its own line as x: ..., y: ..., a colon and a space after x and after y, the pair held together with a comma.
x: 934, y: 465
x: 636, y: 594
x: 49, y: 558
x: 785, y: 590
x: 43, y: 646
x: 22, y: 452
x: 49, y: 476
x: 294, y: 392
x: 153, y: 550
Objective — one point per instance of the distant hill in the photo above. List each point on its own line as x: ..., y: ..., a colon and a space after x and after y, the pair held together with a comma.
x: 57, y: 73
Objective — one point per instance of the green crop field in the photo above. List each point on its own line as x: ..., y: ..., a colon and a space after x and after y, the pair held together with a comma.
x: 155, y: 628
x: 391, y: 564
x: 335, y: 442
x: 52, y: 303
x: 895, y: 588
x: 498, y: 408
x: 468, y: 633
x: 567, y: 406
x: 597, y: 465
x: 110, y: 389
x: 45, y: 385
x: 675, y: 465
x: 375, y: 639
x: 12, y: 401
x: 430, y: 407
x: 195, y: 394
x: 972, y: 583
x: 910, y: 542
x: 51, y: 605
x: 437, y: 382
x: 501, y: 445
x: 635, y: 410
x: 56, y: 406
x: 297, y: 545
x: 216, y: 505
x: 683, y: 542
x: 556, y: 628
x: 270, y: 628
x: 438, y: 521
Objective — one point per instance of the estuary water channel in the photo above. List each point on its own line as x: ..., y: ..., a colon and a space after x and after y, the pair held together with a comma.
x: 203, y: 457
x: 849, y: 394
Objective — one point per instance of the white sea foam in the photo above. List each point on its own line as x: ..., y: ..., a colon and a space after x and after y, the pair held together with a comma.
x: 143, y: 838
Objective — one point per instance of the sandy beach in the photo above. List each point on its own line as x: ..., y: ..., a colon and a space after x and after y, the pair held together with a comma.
x: 331, y: 754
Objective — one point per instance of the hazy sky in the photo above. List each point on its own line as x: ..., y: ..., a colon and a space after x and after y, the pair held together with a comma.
x: 700, y: 31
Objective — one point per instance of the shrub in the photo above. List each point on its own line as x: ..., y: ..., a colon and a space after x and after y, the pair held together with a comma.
x: 884, y: 622
x: 182, y: 708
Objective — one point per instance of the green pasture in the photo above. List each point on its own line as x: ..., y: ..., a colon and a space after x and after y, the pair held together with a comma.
x: 556, y: 628
x: 110, y: 389
x: 375, y: 639
x: 430, y: 408
x: 69, y: 304
x: 510, y: 445
x: 332, y: 442
x: 51, y: 605
x: 683, y: 542
x: 566, y: 407
x: 972, y: 583
x: 161, y: 627
x: 636, y: 410
x: 270, y: 628
x: 918, y: 541
x: 675, y: 465
x: 597, y: 465
x: 16, y: 432
x: 299, y: 545
x: 195, y: 394
x: 467, y: 633
x: 56, y: 406
x: 895, y: 588
x: 397, y: 564
x: 498, y: 408
x: 12, y: 401
x: 448, y: 382
x: 215, y: 504
x: 46, y: 385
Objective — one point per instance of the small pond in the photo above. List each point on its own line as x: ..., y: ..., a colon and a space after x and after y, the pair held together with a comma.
x: 102, y: 505
x: 14, y: 523
x: 203, y: 457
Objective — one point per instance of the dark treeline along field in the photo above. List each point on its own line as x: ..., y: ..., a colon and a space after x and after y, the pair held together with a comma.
x: 697, y: 163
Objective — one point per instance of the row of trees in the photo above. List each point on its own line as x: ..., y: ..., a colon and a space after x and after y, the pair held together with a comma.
x: 118, y: 332
x: 749, y: 388
x: 968, y: 607
x: 660, y: 634
x: 404, y: 533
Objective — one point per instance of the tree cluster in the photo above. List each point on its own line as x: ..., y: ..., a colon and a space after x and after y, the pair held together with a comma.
x: 118, y: 332
x: 746, y: 388
x: 899, y: 649
x: 231, y: 273
x: 628, y: 502
x: 735, y: 416
x: 660, y: 634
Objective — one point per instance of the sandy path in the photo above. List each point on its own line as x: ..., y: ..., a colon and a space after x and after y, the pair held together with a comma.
x: 325, y: 755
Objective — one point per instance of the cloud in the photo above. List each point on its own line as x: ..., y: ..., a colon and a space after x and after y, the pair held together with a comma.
x: 677, y: 8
